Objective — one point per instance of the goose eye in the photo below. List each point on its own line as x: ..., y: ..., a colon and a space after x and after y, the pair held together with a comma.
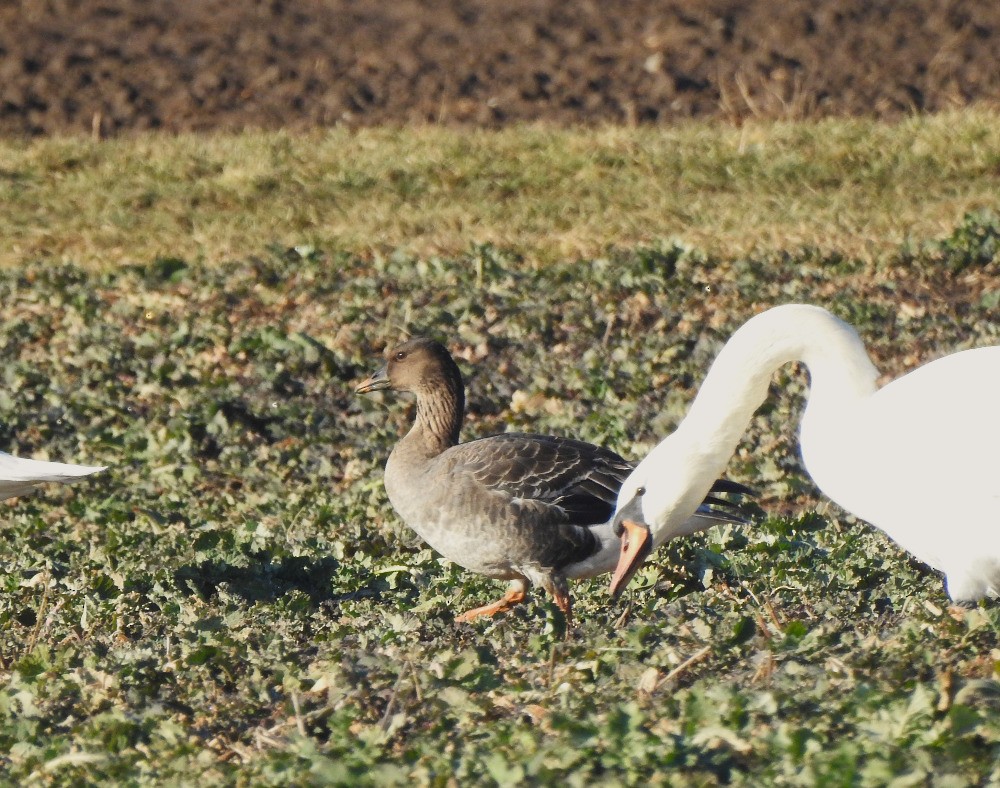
x: 640, y: 491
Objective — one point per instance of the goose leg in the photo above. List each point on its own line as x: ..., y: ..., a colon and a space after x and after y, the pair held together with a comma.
x: 558, y: 588
x: 958, y: 609
x: 517, y: 592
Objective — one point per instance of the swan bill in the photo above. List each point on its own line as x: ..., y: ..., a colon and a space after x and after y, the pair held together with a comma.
x: 637, y: 543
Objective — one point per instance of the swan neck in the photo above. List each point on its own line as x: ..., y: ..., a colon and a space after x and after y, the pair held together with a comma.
x: 737, y: 382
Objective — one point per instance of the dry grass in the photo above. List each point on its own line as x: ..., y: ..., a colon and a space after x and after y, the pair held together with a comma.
x: 857, y: 187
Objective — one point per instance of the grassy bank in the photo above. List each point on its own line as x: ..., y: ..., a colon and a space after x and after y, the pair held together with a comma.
x: 855, y: 186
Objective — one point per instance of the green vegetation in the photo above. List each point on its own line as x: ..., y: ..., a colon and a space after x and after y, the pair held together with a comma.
x: 851, y: 186
x: 235, y: 602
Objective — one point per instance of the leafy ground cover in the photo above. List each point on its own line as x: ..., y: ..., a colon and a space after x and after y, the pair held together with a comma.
x: 234, y: 600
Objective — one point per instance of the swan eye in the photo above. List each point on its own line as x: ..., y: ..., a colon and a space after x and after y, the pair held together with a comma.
x: 640, y: 491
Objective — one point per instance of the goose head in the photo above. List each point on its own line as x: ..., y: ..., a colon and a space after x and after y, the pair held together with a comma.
x: 414, y: 366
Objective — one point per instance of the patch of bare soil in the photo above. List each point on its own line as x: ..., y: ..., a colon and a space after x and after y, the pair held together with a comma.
x: 110, y: 66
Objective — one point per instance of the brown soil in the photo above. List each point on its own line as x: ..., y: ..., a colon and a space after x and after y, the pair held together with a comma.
x: 107, y: 66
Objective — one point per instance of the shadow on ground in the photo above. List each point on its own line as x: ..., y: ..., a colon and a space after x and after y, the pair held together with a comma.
x: 266, y: 579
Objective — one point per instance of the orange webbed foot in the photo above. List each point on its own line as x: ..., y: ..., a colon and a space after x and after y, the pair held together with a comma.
x: 513, y: 597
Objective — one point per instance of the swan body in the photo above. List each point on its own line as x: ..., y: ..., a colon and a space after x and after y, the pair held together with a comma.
x: 530, y: 509
x: 19, y: 476
x: 918, y: 458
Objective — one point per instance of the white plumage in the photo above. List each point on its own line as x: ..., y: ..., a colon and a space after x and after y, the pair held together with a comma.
x: 19, y: 476
x: 918, y: 458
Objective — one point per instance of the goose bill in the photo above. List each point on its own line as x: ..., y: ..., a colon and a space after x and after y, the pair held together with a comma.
x: 377, y: 382
x: 636, y: 545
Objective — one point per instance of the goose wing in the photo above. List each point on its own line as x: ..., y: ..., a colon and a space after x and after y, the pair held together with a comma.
x: 558, y: 488
x: 574, y: 482
x: 543, y: 492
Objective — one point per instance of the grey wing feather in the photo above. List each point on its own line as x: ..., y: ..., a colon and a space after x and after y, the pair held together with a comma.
x: 559, y: 487
x: 579, y: 481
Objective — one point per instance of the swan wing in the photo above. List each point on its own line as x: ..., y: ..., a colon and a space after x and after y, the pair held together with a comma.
x: 920, y: 458
x: 940, y: 426
x: 19, y: 476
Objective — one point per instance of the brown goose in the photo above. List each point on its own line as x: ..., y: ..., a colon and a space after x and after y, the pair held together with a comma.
x: 531, y: 509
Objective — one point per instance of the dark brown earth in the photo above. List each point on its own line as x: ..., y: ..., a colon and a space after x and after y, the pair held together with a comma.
x: 109, y: 66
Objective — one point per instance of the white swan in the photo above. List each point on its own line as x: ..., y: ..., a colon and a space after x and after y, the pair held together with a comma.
x: 918, y: 458
x: 19, y: 476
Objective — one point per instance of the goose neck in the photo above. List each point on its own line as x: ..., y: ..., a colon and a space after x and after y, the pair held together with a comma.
x: 440, y: 408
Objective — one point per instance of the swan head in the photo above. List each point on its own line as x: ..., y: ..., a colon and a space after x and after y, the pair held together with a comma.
x: 662, y: 500
x: 636, y: 540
